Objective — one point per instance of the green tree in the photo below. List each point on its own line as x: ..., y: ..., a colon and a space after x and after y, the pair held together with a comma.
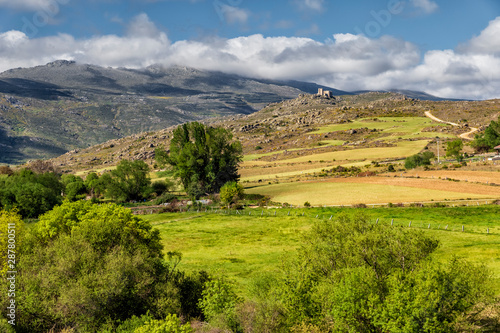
x: 203, y: 158
x: 85, y: 265
x: 351, y: 275
x: 74, y: 187
x: 231, y: 192
x: 414, y: 161
x: 129, y: 181
x: 489, y: 139
x: 95, y: 185
x: 454, y: 149
x: 32, y: 194
x: 219, y: 302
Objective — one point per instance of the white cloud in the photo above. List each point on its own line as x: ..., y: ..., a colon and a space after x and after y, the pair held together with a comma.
x: 487, y: 42
x: 315, y: 5
x: 427, y: 6
x: 347, y: 61
x: 234, y: 14
x: 142, y: 26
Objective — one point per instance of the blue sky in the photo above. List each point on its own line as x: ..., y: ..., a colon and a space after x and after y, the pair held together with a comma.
x: 449, y: 47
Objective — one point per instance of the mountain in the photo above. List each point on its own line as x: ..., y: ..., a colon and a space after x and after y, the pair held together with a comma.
x: 48, y: 110
x: 420, y: 95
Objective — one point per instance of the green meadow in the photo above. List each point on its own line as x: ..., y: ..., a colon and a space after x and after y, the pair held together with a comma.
x: 405, y: 127
x: 346, y: 193
x: 244, y: 245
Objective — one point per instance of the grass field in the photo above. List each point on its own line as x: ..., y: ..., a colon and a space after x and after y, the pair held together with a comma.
x: 396, y: 126
x: 403, y: 149
x: 245, y: 246
x: 372, y: 190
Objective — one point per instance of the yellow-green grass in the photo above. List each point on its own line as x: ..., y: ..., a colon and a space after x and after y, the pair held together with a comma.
x: 160, y: 97
x: 332, y: 142
x: 406, y: 125
x: 251, y: 157
x: 348, y: 193
x: 296, y: 170
x: 243, y: 247
x: 98, y: 171
x: 403, y: 149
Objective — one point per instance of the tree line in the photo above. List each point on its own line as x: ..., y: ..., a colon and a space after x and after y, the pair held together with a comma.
x: 203, y: 158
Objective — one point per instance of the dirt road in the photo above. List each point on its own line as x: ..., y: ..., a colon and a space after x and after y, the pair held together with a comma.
x: 465, y: 136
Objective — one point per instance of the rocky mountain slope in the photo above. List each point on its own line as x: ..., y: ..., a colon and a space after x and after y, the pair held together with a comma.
x: 48, y: 110
x: 287, y: 129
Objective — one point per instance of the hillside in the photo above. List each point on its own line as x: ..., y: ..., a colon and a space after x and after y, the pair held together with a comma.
x: 48, y: 110
x: 291, y: 131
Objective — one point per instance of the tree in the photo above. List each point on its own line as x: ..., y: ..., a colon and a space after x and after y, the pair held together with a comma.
x: 418, y: 160
x: 95, y: 185
x: 454, y: 149
x: 84, y: 265
x: 231, y: 192
x: 203, y: 158
x: 32, y: 194
x: 74, y: 187
x: 351, y: 275
x: 129, y: 181
x: 489, y: 139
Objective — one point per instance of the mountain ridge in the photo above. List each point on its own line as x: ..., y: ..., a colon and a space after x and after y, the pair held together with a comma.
x: 48, y: 110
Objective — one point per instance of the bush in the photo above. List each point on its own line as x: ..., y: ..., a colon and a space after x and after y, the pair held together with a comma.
x: 307, y: 204
x: 171, y: 324
x: 161, y: 186
x: 86, y: 266
x: 231, y: 193
x: 219, y: 302
x: 352, y: 275
x: 32, y: 194
x: 418, y: 160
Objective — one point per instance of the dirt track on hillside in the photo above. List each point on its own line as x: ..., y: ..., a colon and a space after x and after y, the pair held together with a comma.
x: 465, y: 136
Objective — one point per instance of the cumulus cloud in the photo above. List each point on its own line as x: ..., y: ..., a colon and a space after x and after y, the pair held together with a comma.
x: 346, y: 61
x: 487, y: 42
x: 427, y: 6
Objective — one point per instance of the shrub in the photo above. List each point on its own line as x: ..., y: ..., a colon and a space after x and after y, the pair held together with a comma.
x: 171, y: 324
x: 161, y: 186
x: 219, y: 303
x: 231, y: 192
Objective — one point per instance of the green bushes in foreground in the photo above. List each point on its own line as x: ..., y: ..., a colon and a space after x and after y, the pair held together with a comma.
x: 353, y: 276
x: 94, y: 268
x: 91, y: 267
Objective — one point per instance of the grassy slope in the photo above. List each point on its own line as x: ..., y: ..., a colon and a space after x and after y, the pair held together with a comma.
x: 346, y: 193
x: 243, y: 246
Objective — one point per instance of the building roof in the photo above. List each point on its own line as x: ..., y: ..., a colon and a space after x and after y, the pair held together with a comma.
x: 497, y: 147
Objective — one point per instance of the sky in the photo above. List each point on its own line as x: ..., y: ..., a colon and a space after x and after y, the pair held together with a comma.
x: 448, y: 48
